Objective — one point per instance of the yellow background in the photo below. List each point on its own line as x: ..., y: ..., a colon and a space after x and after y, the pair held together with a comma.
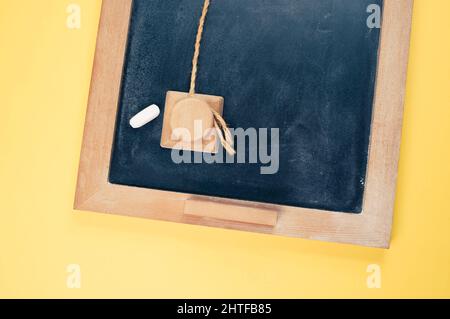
x: 45, y: 71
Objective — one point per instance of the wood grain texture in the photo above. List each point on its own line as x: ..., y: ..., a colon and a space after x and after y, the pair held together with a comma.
x: 234, y: 213
x: 371, y: 228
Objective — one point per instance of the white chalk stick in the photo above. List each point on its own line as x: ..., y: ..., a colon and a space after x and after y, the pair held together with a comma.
x: 145, y: 116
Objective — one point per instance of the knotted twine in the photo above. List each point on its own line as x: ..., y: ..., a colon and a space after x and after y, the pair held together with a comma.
x: 226, y: 139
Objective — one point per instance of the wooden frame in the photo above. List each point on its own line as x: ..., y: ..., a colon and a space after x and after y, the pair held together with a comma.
x: 370, y: 228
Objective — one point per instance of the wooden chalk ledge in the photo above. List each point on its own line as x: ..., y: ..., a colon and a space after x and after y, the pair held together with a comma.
x: 229, y: 212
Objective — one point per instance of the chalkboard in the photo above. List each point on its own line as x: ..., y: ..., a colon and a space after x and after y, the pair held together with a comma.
x: 307, y: 67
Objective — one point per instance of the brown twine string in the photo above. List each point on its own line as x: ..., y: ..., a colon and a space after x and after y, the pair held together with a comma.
x: 226, y: 139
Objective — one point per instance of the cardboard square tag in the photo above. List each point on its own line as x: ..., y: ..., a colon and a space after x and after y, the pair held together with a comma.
x: 188, y: 122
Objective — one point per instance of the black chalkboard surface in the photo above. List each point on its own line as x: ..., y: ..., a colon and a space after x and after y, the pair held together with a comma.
x: 307, y: 67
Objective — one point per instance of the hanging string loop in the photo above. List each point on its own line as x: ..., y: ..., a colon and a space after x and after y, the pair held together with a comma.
x: 226, y: 139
